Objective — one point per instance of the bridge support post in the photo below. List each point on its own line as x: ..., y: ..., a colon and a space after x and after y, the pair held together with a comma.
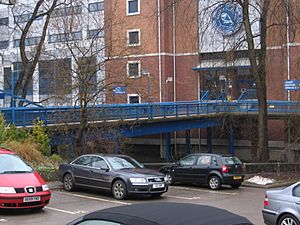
x: 168, y: 147
x: 187, y: 142
x: 231, y: 141
x: 209, y: 140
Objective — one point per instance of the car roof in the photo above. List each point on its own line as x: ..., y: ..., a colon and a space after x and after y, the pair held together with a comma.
x: 6, y: 151
x: 105, y: 155
x: 212, y: 154
x: 168, y: 213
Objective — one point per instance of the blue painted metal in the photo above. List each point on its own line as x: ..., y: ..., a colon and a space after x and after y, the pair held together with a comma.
x: 168, y: 147
x: 25, y: 116
x: 169, y: 126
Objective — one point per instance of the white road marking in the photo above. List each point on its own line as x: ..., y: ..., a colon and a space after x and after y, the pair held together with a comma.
x: 207, y: 191
x: 61, y: 210
x: 185, y: 198
x: 3, y: 220
x: 96, y: 199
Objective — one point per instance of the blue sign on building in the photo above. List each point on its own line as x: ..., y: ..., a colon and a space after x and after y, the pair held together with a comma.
x: 227, y: 18
x: 291, y: 85
x: 2, y: 95
x: 119, y: 90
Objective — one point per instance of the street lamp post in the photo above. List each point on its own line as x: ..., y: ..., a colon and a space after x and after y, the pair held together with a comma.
x: 169, y: 79
x: 145, y: 72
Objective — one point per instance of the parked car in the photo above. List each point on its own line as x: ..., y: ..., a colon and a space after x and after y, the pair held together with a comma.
x: 282, y: 206
x: 212, y: 169
x: 162, y: 214
x: 20, y: 185
x: 119, y: 174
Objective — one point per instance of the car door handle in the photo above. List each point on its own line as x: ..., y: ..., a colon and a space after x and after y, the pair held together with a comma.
x: 298, y: 203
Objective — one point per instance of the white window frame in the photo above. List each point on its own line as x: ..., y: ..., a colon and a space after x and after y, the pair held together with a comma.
x: 128, y: 40
x: 127, y: 8
x: 133, y: 95
x: 139, y: 69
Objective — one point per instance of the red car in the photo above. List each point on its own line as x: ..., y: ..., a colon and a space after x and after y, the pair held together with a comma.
x: 20, y: 185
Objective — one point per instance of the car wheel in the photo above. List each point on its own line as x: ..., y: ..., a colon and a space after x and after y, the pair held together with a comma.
x: 214, y: 183
x: 170, y: 179
x: 68, y: 182
x: 288, y: 220
x: 235, y: 185
x: 119, y: 190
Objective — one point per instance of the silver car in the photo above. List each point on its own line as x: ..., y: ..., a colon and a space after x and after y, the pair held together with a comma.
x: 282, y: 206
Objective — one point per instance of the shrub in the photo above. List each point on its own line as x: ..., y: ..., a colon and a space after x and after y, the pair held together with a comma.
x: 39, y: 136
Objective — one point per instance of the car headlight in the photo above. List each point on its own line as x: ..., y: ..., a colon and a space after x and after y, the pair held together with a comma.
x: 45, y: 187
x: 7, y: 190
x: 138, y: 180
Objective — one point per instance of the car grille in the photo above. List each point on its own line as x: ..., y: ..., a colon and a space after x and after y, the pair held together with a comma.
x: 22, y: 190
x: 156, y: 179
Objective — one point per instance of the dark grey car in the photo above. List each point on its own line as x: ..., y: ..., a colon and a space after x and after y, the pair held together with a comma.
x: 282, y: 206
x: 119, y: 174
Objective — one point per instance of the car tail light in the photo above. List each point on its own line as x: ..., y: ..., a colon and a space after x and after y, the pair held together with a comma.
x: 266, y: 201
x: 225, y: 169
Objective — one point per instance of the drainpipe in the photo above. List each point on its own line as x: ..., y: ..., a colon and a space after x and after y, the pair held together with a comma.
x: 174, y: 72
x: 159, y: 50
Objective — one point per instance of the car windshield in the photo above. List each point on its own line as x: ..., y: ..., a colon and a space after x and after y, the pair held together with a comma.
x: 231, y: 160
x: 13, y: 164
x: 123, y: 162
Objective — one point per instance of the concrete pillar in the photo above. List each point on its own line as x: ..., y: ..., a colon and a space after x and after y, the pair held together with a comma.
x: 168, y: 147
x: 187, y: 142
x: 231, y: 141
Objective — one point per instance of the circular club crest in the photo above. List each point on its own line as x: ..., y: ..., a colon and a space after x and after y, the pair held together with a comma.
x: 227, y: 18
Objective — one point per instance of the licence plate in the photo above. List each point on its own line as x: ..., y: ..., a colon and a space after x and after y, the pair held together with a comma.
x: 32, y: 199
x: 237, y: 177
x: 158, y: 185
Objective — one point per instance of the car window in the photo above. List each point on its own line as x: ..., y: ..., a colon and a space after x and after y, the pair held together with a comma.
x: 188, y: 161
x: 204, y: 160
x: 296, y: 191
x: 122, y: 162
x: 98, y: 162
x: 230, y: 160
x: 13, y: 164
x: 98, y: 222
x: 83, y: 161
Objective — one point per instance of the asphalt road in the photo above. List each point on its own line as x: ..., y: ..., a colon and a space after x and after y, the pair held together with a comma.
x: 67, y: 206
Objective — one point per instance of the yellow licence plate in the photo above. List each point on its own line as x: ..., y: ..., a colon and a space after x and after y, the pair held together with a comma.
x: 237, y: 177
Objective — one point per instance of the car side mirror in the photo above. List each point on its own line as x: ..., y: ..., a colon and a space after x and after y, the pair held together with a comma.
x: 105, y: 168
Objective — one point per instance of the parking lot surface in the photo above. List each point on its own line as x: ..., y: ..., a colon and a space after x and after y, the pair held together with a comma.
x: 67, y: 206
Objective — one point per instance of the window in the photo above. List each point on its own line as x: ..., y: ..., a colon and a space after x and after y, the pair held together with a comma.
x: 188, y: 161
x: 64, y: 37
x: 4, y: 21
x: 73, y: 10
x: 133, y: 7
x: 296, y: 191
x: 133, y: 37
x: 98, y: 162
x: 204, y: 160
x: 4, y: 44
x: 97, y: 33
x: 28, y: 41
x: 133, y: 98
x: 25, y: 18
x: 134, y: 69
x: 83, y: 161
x: 97, y: 6
x: 55, y: 77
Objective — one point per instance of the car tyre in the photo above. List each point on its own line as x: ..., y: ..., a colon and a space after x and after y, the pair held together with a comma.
x: 288, y: 219
x: 214, y: 182
x: 68, y: 182
x: 170, y: 179
x: 119, y: 190
x: 235, y: 185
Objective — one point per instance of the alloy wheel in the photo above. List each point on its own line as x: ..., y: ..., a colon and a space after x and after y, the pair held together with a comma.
x: 119, y: 190
x: 68, y: 182
x: 214, y: 182
x: 288, y: 221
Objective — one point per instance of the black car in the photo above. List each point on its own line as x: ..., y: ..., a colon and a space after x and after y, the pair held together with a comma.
x: 119, y: 174
x: 211, y: 169
x: 162, y: 214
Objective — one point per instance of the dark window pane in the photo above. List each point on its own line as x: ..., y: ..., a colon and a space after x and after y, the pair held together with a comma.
x: 133, y: 69
x: 134, y: 99
x: 134, y: 37
x: 133, y: 6
x: 97, y: 6
x: 4, y: 44
x: 4, y: 21
x: 83, y: 161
